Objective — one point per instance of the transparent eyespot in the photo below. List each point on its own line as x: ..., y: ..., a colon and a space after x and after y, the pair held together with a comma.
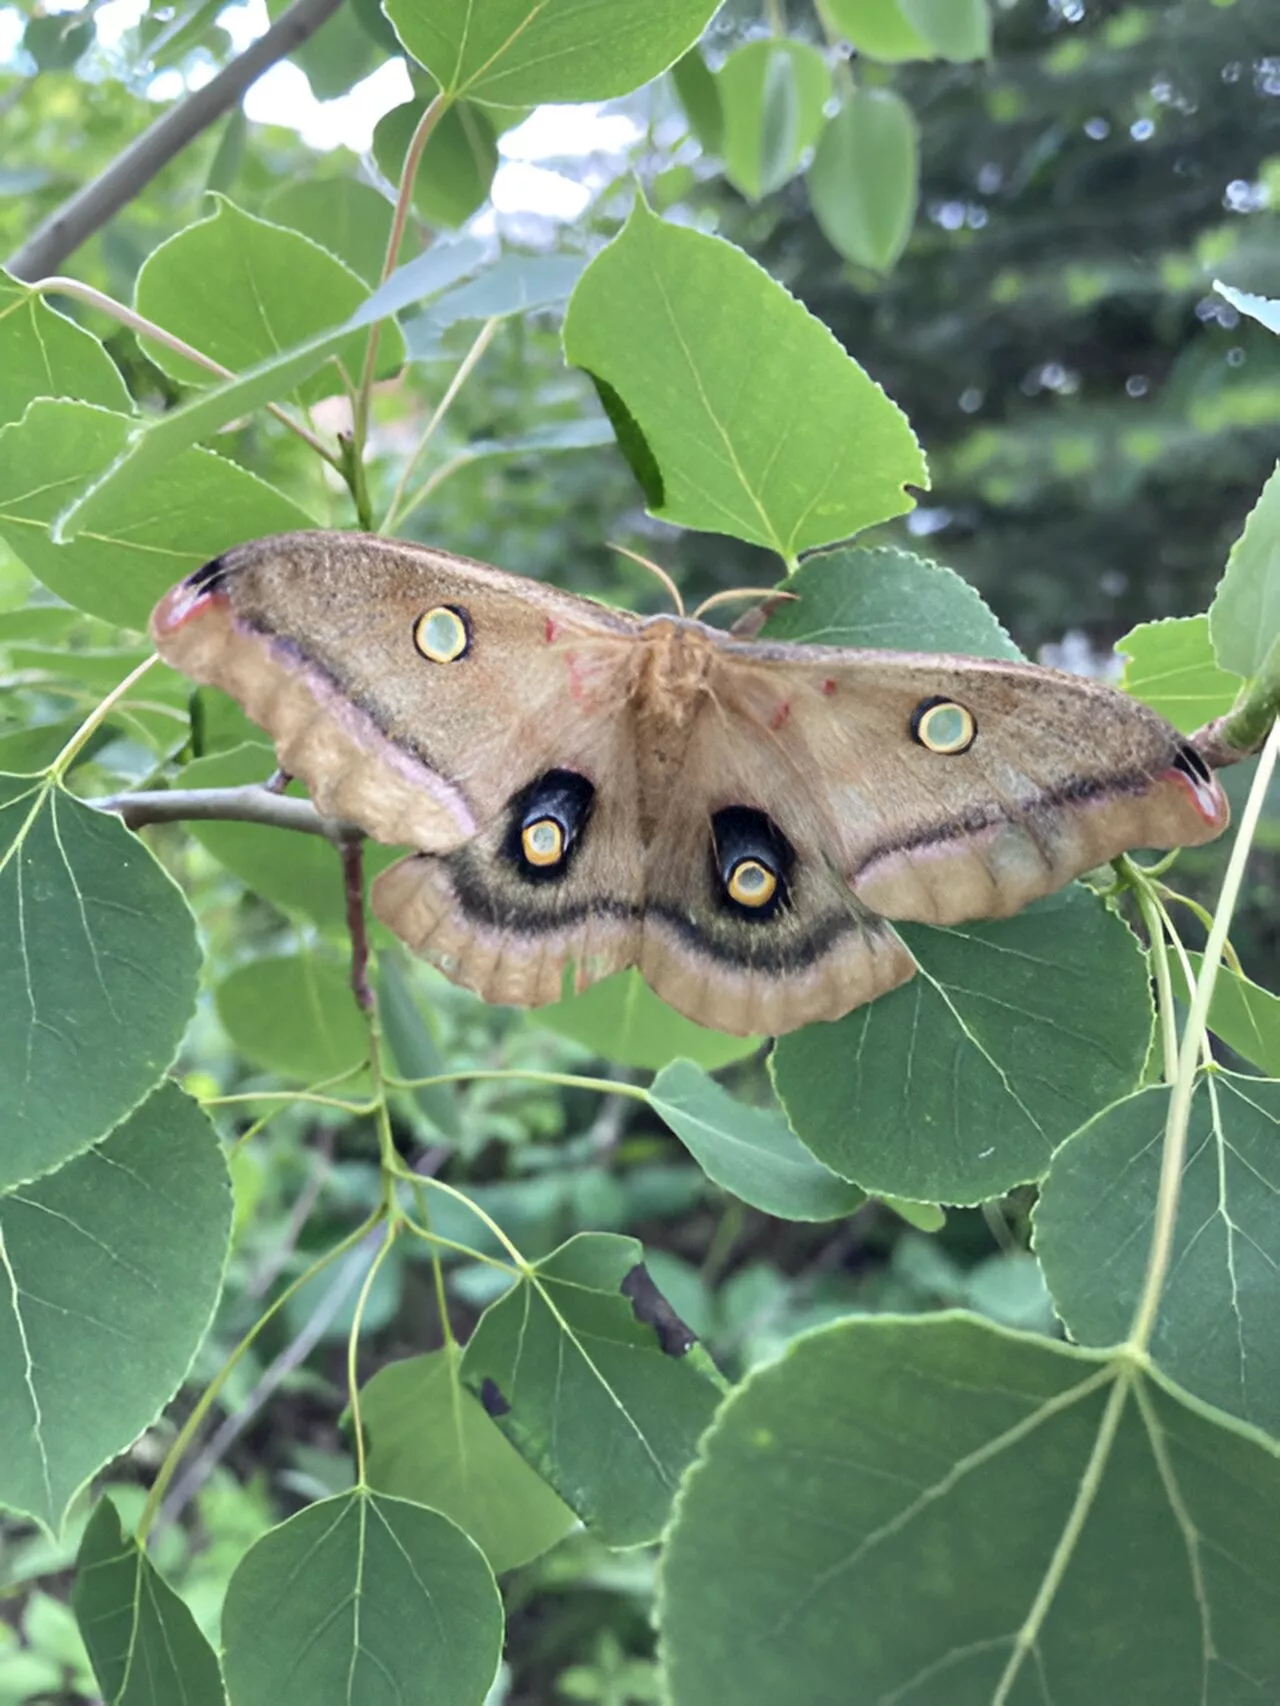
x: 751, y: 883
x: 542, y: 842
x: 943, y: 726
x: 441, y: 634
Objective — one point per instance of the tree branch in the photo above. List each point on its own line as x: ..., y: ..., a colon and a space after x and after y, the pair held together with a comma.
x: 90, y: 208
x: 252, y: 803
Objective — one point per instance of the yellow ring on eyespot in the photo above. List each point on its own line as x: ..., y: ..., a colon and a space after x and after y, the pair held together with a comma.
x: 542, y: 842
x: 751, y: 883
x: 945, y: 727
x: 440, y: 635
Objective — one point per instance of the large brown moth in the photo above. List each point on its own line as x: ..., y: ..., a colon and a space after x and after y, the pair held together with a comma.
x: 587, y: 790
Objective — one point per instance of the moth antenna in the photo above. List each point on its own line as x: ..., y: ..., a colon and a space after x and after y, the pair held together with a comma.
x: 654, y: 569
x: 770, y: 595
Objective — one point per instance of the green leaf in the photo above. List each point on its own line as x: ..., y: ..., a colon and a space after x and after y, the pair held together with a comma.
x: 99, y: 966
x: 516, y: 284
x: 772, y: 95
x: 517, y: 53
x: 750, y: 1151
x: 240, y: 290
x: 699, y: 94
x: 293, y: 1014
x: 839, y: 1525
x: 1244, y: 618
x: 111, y: 1268
x: 878, y: 28
x: 190, y: 508
x: 152, y: 447
x: 621, y: 1019
x: 431, y: 1442
x: 1170, y: 666
x: 592, y: 1376
x: 350, y: 219
x: 339, y: 54
x: 864, y: 181
x: 300, y: 874
x: 457, y: 164
x: 362, y: 1599
x: 1243, y: 1014
x: 962, y: 1082
x: 145, y: 1645
x: 1094, y: 1222
x: 958, y: 30
x: 793, y: 449
x: 887, y: 599
x: 416, y: 1054
x: 44, y: 354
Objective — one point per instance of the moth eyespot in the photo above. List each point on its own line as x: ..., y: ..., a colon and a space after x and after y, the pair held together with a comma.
x: 442, y: 635
x: 542, y: 842
x: 1192, y: 764
x: 751, y: 883
x: 943, y: 726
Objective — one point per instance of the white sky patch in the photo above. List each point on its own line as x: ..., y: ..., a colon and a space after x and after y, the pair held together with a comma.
x: 519, y: 187
x: 553, y: 131
x: 283, y: 96
x: 116, y: 17
x: 12, y: 24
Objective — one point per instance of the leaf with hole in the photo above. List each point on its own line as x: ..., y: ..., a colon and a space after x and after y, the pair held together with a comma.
x: 596, y: 1381
x: 430, y: 1441
x: 795, y: 448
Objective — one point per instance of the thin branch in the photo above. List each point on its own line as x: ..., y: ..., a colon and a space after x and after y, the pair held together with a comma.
x: 59, y: 286
x: 90, y: 208
x: 352, y: 850
x: 252, y: 803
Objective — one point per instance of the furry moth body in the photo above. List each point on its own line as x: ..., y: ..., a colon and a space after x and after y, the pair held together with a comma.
x: 586, y: 790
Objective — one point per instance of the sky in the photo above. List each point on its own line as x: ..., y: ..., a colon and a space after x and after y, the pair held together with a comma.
x: 282, y: 96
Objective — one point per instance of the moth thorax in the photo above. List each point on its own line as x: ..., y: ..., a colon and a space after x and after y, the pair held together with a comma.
x: 673, y: 677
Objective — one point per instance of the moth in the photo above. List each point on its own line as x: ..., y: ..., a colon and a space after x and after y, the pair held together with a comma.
x: 585, y: 790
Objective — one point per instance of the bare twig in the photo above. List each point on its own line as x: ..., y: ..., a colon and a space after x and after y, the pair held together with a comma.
x: 352, y: 849
x: 252, y: 803
x: 90, y: 208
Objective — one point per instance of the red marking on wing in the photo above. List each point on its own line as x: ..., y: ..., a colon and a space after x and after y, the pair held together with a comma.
x: 780, y: 715
x: 553, y: 628
x: 183, y: 604
x: 828, y: 686
x: 1207, y: 797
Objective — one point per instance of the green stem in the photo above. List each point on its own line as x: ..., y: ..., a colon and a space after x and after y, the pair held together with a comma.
x: 394, y: 514
x: 1153, y: 919
x: 206, y: 1400
x: 426, y: 124
x: 1193, y: 1040
x: 96, y: 718
x: 527, y: 1075
x: 353, y: 1345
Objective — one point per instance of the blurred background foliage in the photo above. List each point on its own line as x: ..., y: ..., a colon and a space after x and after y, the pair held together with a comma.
x: 1098, y: 423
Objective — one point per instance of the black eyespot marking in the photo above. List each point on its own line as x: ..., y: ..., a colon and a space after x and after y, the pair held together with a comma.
x: 1191, y: 764
x: 208, y: 577
x: 752, y: 862
x: 943, y: 726
x: 546, y: 823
